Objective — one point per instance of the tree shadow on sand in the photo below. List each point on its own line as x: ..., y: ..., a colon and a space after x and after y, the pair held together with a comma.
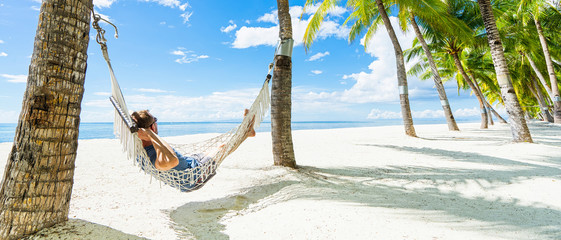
x: 81, y: 229
x: 367, y: 186
x: 202, y: 220
x: 542, y: 133
x: 395, y: 187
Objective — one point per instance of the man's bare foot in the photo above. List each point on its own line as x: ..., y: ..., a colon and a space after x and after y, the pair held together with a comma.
x: 251, y: 132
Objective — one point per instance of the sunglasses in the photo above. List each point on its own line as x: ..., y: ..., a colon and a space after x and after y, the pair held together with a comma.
x: 155, y: 121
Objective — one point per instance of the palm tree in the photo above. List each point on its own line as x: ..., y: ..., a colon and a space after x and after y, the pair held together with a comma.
x: 283, y: 149
x: 401, y: 72
x: 534, y: 8
x: 368, y: 15
x: 452, y: 126
x: 519, y: 128
x: 38, y: 179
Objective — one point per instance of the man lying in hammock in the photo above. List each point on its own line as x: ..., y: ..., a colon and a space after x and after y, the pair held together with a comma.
x: 161, y: 154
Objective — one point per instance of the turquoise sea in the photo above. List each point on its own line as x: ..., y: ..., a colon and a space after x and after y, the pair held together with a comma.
x: 168, y: 129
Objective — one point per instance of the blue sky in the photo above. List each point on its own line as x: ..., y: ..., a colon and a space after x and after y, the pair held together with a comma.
x: 206, y: 60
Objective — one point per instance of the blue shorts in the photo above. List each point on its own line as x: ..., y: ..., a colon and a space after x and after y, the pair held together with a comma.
x: 185, y: 162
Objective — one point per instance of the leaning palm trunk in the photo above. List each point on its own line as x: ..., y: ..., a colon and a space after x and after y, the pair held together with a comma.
x: 401, y: 73
x: 551, y: 72
x: 496, y: 113
x: 540, y: 76
x: 452, y: 126
x: 485, y: 102
x: 283, y: 149
x: 480, y: 98
x: 37, y: 182
x: 519, y: 128
x: 537, y: 92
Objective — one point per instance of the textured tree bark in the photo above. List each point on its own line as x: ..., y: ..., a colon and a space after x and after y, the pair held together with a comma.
x: 536, y: 90
x: 38, y: 179
x: 540, y: 76
x: 486, y: 103
x: 551, y: 72
x: 452, y: 125
x: 281, y: 96
x: 401, y: 73
x: 480, y: 98
x: 519, y: 128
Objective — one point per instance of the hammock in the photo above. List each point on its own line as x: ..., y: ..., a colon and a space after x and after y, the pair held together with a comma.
x: 211, y: 152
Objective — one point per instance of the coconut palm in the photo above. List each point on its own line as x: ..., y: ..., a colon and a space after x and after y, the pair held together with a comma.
x: 534, y: 9
x: 38, y: 179
x: 368, y: 15
x: 521, y: 48
x: 442, y: 11
x: 452, y: 43
x: 519, y: 128
x: 283, y: 149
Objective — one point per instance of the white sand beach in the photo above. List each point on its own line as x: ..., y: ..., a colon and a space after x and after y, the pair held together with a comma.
x: 355, y: 183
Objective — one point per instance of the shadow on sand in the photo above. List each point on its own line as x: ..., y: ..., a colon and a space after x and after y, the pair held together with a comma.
x: 81, y: 229
x: 392, y: 187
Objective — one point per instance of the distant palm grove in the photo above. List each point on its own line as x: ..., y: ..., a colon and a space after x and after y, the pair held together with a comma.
x: 506, y: 52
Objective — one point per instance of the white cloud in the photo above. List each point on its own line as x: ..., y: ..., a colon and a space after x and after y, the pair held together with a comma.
x: 151, y: 90
x: 35, y: 8
x: 380, y: 84
x: 268, y: 17
x: 216, y: 106
x: 256, y: 36
x: 1, y: 41
x: 103, y: 3
x: 9, y: 116
x: 379, y: 114
x: 15, y: 78
x: 318, y: 56
x: 3, y: 54
x: 187, y: 56
x: 180, y: 52
x: 467, y: 112
x: 184, y: 6
x: 428, y: 114
x: 317, y: 72
x: 167, y: 3
x: 186, y: 16
x: 105, y: 94
x: 229, y: 28
x: 336, y: 11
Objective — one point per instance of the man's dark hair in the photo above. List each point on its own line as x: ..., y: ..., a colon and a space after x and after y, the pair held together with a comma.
x: 143, y: 118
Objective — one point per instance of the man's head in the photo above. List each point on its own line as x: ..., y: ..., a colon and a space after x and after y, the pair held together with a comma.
x: 143, y: 118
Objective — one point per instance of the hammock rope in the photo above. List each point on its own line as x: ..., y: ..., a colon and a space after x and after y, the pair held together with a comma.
x: 210, y: 153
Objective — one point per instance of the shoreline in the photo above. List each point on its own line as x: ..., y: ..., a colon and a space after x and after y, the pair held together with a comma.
x: 104, y: 130
x: 352, y: 183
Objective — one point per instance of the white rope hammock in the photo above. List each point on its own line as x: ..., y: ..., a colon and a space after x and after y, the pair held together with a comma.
x: 210, y: 153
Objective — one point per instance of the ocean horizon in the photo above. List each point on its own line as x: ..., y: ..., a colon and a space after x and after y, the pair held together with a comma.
x: 104, y: 130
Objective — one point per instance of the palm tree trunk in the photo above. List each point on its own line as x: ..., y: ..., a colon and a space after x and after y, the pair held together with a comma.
x: 452, y: 126
x: 480, y: 98
x: 496, y: 114
x: 551, y: 72
x: 536, y: 90
x: 401, y: 73
x: 485, y: 102
x: 540, y: 76
x: 38, y: 179
x: 281, y: 90
x: 519, y: 128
